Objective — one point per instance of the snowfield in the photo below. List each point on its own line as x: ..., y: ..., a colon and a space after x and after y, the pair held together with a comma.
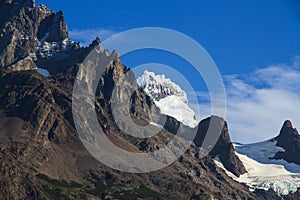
x: 263, y: 172
x: 175, y: 107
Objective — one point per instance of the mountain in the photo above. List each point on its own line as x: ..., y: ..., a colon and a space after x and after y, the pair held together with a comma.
x: 41, y: 154
x: 223, y: 149
x: 272, y: 164
x: 173, y: 101
x: 168, y: 96
x: 269, y: 165
x: 289, y: 140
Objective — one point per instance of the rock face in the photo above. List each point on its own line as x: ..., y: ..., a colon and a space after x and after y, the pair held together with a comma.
x: 289, y: 140
x: 220, y: 147
x: 10, y: 8
x: 55, y: 26
x: 44, y: 156
x: 223, y: 149
x: 18, y: 31
x: 31, y: 36
x: 41, y: 154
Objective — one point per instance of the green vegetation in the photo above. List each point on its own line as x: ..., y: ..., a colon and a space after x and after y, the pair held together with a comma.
x: 56, y: 189
x: 142, y: 192
x: 145, y: 192
x: 99, y: 190
x: 59, y: 183
x: 54, y: 193
x: 124, y: 194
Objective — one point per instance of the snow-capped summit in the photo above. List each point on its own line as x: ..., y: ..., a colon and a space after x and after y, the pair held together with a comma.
x: 168, y: 96
x: 159, y: 87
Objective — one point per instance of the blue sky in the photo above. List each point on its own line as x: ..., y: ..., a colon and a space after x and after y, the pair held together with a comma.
x: 252, y: 43
x: 239, y: 35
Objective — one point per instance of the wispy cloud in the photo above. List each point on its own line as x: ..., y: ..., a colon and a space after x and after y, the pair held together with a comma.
x: 86, y: 36
x: 259, y: 102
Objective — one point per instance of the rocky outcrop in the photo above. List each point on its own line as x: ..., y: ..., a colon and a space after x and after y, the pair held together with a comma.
x: 55, y: 27
x: 34, y: 34
x: 223, y: 149
x: 289, y: 140
x: 11, y: 7
x: 18, y: 36
x: 220, y: 147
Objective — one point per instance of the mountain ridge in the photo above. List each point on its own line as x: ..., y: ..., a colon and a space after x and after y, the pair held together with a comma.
x: 41, y: 153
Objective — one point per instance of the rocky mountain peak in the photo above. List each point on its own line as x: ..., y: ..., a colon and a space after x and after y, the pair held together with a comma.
x: 96, y: 42
x: 34, y: 37
x: 287, y: 133
x: 223, y: 149
x: 289, y: 140
x: 57, y: 28
x: 23, y: 30
x: 288, y: 129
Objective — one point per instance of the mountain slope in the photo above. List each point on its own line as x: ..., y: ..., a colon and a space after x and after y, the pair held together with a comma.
x: 41, y: 154
x: 42, y: 142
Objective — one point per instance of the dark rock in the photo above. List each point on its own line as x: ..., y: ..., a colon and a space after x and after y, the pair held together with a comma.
x: 289, y: 140
x: 292, y: 196
x: 9, y: 8
x: 26, y: 33
x: 57, y: 28
x: 172, y: 125
x: 223, y: 148
x: 267, y: 194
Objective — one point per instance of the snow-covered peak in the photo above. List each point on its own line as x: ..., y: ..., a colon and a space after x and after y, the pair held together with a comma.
x: 168, y: 96
x: 159, y: 87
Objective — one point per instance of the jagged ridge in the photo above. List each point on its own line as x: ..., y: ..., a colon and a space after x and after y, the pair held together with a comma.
x: 43, y: 156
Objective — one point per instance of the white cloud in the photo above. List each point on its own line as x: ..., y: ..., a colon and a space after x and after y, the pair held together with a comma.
x: 259, y: 102
x: 86, y: 36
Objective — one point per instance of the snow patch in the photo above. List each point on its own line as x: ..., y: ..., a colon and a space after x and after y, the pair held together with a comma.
x: 44, y: 72
x: 48, y: 49
x: 24, y: 37
x: 157, y: 125
x: 43, y: 9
